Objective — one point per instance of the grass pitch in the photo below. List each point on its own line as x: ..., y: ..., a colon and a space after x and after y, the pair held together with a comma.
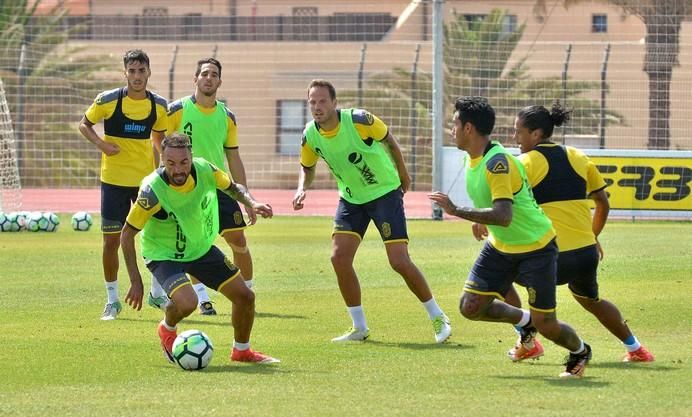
x: 59, y: 359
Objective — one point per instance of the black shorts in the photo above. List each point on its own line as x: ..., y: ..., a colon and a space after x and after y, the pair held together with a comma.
x: 115, y: 205
x: 494, y: 272
x: 387, y: 212
x: 230, y: 216
x: 213, y: 269
x: 578, y: 269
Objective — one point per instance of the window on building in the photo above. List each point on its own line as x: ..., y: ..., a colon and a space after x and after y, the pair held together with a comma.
x: 291, y: 118
x: 509, y: 22
x: 599, y: 23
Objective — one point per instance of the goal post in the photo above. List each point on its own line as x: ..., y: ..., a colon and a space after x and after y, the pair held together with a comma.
x: 10, y: 186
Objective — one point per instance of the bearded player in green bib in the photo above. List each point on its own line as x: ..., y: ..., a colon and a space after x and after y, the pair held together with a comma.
x: 521, y: 239
x: 358, y: 148
x: 177, y: 213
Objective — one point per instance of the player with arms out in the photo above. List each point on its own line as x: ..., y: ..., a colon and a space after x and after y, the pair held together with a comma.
x: 177, y: 213
x: 358, y: 148
x: 131, y: 115
x: 563, y: 180
x: 214, y: 134
x: 521, y: 240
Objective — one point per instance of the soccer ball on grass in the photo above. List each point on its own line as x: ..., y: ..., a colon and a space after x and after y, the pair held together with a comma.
x: 192, y: 350
x: 81, y: 221
x: 9, y: 222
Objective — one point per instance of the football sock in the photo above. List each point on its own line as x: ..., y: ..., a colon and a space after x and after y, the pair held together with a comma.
x: 580, y: 350
x: 241, y: 346
x: 432, y: 308
x: 168, y: 326
x: 632, y: 343
x: 156, y: 289
x: 525, y: 319
x: 112, y: 291
x: 358, y: 317
x: 249, y: 283
x: 201, y: 290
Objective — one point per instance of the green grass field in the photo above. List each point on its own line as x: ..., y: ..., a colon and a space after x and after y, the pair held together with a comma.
x: 58, y: 358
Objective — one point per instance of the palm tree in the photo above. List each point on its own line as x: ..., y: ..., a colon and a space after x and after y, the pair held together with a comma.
x: 662, y: 19
x: 49, y: 91
x: 476, y: 62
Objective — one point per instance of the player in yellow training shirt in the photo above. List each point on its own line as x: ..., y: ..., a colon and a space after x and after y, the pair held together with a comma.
x: 563, y: 181
x: 131, y: 116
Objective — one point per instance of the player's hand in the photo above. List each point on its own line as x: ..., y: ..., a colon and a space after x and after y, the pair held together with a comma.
x: 264, y: 210
x: 600, y: 250
x: 298, y: 199
x: 252, y: 216
x: 444, y: 202
x: 109, y: 148
x: 480, y: 231
x: 405, y: 182
x: 135, y: 294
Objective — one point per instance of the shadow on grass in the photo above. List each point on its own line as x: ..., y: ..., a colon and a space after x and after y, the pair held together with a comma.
x: 585, y: 382
x: 418, y: 346
x: 649, y: 367
x: 246, y: 369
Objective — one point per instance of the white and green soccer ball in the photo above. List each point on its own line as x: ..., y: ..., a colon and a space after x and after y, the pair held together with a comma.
x: 81, y: 221
x: 38, y: 221
x: 9, y: 222
x: 53, y: 221
x: 192, y: 350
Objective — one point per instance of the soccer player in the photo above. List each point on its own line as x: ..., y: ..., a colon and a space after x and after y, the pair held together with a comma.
x: 131, y: 116
x: 358, y: 148
x: 214, y: 134
x: 521, y: 240
x: 177, y: 213
x: 563, y: 180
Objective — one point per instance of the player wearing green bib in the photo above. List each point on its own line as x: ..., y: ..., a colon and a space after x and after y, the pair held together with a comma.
x: 177, y: 212
x: 521, y: 240
x: 214, y: 134
x: 358, y: 148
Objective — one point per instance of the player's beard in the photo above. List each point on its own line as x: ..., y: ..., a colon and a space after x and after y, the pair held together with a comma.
x: 179, y: 179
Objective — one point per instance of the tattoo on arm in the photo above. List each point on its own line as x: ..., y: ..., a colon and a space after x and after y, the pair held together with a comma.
x: 500, y: 214
x: 239, y: 193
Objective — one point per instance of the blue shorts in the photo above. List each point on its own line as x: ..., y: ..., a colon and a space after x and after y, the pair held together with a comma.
x: 578, y: 269
x: 494, y: 272
x: 387, y: 212
x: 115, y: 205
x: 230, y: 215
x: 213, y: 269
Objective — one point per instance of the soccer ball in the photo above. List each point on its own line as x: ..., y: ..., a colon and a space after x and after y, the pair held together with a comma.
x: 37, y: 221
x: 192, y: 350
x: 81, y: 221
x: 53, y: 221
x: 9, y: 222
x: 22, y: 219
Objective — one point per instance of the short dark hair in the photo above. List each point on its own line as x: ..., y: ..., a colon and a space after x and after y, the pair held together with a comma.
x: 538, y: 117
x: 323, y: 83
x: 176, y: 140
x: 477, y: 111
x: 136, y: 55
x: 207, y: 61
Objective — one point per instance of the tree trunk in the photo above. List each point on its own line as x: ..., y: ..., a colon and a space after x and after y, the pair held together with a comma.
x: 662, y: 48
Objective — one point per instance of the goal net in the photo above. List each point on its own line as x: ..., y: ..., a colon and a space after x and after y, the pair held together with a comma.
x: 10, y: 186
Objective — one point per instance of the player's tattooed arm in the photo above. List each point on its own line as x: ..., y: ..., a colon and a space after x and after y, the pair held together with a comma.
x: 499, y: 214
x: 239, y: 193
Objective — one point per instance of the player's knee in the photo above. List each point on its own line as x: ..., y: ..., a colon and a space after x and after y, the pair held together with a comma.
x: 547, y: 326
x: 245, y: 298
x: 340, y: 260
x: 239, y: 248
x: 111, y: 242
x: 400, y: 264
x: 470, y: 307
x: 186, y: 306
